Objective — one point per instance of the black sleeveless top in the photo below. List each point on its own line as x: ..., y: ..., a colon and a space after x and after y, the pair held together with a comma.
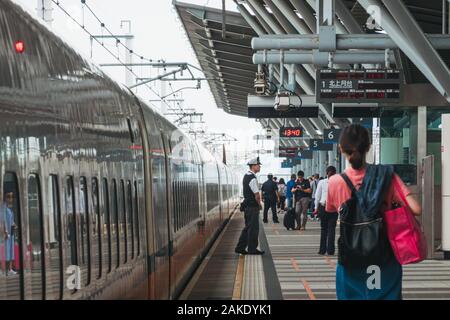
x: 249, y: 196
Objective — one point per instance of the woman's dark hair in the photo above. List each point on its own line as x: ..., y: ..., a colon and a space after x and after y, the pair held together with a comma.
x: 281, y: 181
x: 355, y: 141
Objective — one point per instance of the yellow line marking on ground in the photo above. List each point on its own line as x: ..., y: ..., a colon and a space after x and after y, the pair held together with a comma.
x: 295, y: 264
x: 330, y: 262
x: 239, y: 280
x: 308, y: 290
x: 275, y: 230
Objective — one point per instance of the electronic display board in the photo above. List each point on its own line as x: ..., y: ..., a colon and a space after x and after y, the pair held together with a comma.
x: 359, y: 86
x: 291, y: 132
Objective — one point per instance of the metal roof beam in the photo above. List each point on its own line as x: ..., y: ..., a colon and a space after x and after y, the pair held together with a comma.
x: 410, y: 47
x: 228, y: 41
x: 285, y: 23
x: 253, y: 68
x: 307, y: 14
x: 421, y: 43
x: 227, y: 49
x: 234, y: 70
x: 233, y: 76
x: 249, y: 18
x: 233, y: 58
x: 223, y: 63
x: 240, y: 84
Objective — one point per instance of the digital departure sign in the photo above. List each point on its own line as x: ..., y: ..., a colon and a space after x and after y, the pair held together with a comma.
x: 359, y: 86
x: 287, y: 152
x: 291, y: 132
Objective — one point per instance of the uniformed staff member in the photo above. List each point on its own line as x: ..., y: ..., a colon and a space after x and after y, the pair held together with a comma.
x: 271, y: 197
x: 252, y: 205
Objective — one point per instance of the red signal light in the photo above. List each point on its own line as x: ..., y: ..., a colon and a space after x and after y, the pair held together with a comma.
x: 20, y: 47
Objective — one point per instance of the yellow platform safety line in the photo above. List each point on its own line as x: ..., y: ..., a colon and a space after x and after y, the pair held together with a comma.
x: 275, y: 230
x: 308, y: 289
x: 239, y: 280
x: 305, y: 283
x: 295, y: 264
x: 330, y: 262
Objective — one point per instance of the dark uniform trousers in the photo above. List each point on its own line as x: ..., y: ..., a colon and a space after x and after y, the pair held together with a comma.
x: 328, y: 222
x: 270, y: 203
x: 249, y: 236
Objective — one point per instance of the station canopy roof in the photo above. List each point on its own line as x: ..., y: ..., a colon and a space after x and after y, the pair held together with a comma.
x: 228, y: 61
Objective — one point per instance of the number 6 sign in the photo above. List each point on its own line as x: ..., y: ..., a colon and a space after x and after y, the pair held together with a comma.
x: 331, y: 136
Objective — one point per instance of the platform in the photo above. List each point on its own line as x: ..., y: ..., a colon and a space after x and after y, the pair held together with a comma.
x: 291, y: 269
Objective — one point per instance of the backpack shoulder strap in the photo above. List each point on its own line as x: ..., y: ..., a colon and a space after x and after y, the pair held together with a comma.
x: 349, y: 183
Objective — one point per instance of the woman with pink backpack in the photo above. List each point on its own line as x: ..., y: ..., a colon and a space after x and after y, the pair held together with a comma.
x: 378, y: 231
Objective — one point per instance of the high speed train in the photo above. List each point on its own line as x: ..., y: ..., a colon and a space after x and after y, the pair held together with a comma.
x: 101, y: 196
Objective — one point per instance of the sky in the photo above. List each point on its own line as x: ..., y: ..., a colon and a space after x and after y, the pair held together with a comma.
x: 158, y: 34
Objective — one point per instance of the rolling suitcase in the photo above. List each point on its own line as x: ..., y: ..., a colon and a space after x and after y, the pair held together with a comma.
x: 289, y: 219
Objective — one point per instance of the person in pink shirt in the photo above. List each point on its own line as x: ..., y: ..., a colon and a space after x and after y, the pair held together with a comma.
x: 352, y: 283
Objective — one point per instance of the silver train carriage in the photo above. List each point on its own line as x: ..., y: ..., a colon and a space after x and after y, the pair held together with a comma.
x: 101, y: 197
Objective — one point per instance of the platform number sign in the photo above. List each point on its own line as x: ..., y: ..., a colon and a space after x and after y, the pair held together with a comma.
x: 314, y: 144
x: 319, y: 145
x: 287, y: 165
x: 304, y: 154
x: 331, y: 136
x: 290, y: 163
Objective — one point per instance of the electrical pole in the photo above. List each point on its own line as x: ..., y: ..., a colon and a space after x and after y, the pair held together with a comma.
x: 45, y: 10
x: 128, y: 53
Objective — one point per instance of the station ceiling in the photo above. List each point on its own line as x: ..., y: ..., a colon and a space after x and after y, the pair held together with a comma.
x: 228, y: 62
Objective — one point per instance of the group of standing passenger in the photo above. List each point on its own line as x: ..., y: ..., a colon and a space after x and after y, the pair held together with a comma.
x: 331, y: 197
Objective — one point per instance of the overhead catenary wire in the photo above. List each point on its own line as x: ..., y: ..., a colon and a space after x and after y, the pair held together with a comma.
x: 119, y: 42
x: 58, y: 4
x: 117, y: 57
x: 103, y: 26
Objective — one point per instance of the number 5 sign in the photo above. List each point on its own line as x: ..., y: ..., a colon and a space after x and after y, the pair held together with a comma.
x: 331, y: 136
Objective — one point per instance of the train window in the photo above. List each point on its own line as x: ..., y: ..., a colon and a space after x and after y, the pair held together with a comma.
x: 35, y: 237
x: 175, y: 205
x: 106, y: 227
x: 136, y: 219
x: 180, y: 201
x: 85, y: 234
x: 183, y: 203
x: 11, y: 281
x: 122, y: 223
x: 130, y: 238
x: 53, y: 246
x: 96, y: 229
x: 179, y: 204
x: 115, y: 225
x: 70, y: 221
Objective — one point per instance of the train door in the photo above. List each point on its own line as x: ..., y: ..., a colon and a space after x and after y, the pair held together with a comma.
x: 168, y: 201
x: 219, y: 193
x: 160, y: 216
